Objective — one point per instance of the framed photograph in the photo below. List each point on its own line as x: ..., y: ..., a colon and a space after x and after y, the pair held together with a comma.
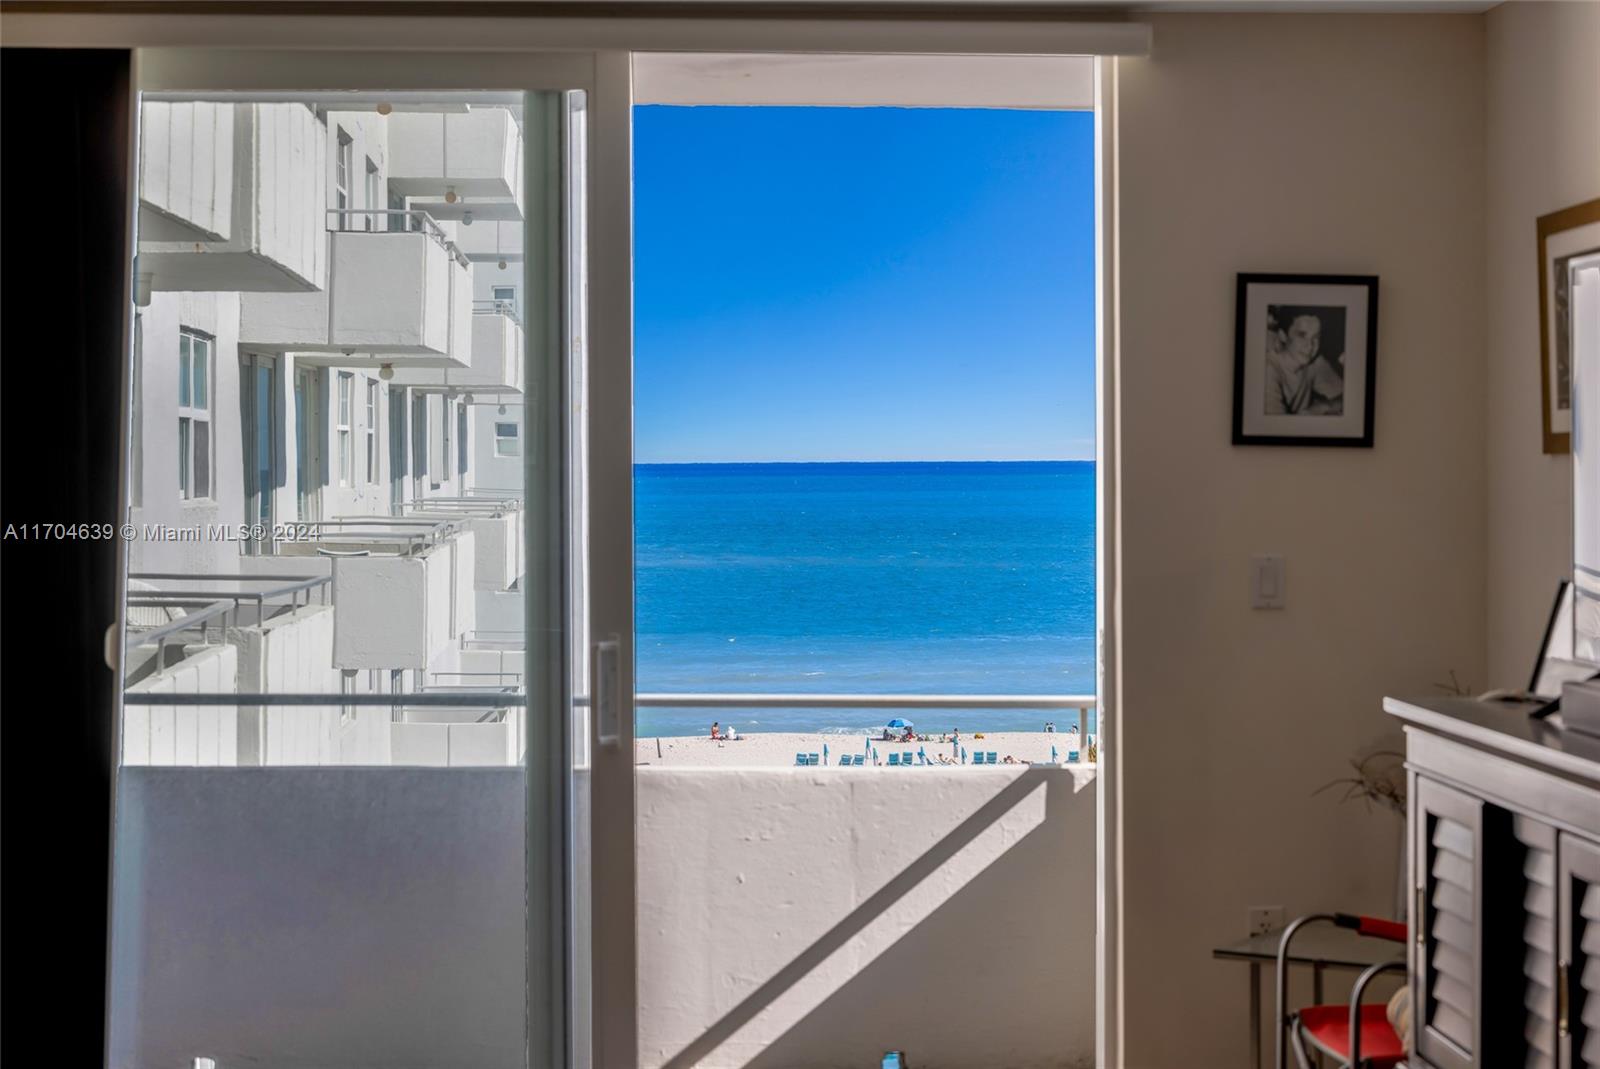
x: 1304, y: 352
x: 1570, y: 234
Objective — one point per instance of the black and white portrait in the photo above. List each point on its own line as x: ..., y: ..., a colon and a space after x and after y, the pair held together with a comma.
x: 1303, y: 359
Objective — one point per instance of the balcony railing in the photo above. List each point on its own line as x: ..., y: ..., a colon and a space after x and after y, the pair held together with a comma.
x: 482, y: 307
x: 393, y: 221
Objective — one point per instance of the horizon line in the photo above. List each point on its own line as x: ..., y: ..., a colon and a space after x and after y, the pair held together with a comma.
x: 953, y: 460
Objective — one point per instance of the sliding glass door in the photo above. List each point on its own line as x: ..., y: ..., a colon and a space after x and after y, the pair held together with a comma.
x: 359, y: 772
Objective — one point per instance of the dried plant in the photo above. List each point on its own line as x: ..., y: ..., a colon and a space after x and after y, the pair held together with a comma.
x: 1455, y: 688
x: 1380, y: 777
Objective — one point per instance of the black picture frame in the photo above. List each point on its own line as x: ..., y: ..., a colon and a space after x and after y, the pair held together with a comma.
x: 1255, y: 290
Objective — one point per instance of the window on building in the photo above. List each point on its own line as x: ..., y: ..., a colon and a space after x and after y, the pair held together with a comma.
x: 372, y: 431
x: 194, y: 414
x: 506, y: 443
x: 374, y: 196
x: 342, y: 162
x: 462, y: 453
x: 346, y: 384
x: 506, y: 298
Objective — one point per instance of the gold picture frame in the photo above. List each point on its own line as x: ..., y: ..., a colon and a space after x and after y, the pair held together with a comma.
x: 1570, y: 232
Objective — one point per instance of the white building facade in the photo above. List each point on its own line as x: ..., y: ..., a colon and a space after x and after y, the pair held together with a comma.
x: 327, y: 363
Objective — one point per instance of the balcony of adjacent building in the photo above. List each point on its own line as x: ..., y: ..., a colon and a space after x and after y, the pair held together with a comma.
x: 462, y: 166
x: 399, y: 295
x: 496, y: 362
x: 231, y: 197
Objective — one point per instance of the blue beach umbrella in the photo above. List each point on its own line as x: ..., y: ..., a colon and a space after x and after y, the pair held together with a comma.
x: 1052, y: 753
x: 963, y: 755
x: 900, y: 722
x: 922, y: 756
x: 824, y: 753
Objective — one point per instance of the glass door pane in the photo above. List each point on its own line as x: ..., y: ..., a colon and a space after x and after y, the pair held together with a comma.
x: 352, y: 754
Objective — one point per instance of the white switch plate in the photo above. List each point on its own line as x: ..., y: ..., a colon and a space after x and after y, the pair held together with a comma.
x: 1267, y: 579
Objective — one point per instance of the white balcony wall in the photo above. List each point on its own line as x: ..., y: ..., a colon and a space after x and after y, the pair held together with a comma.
x: 186, y: 162
x: 496, y: 348
x: 501, y: 610
x: 179, y: 734
x: 744, y: 877
x: 400, y: 299
x: 852, y: 892
x: 478, y: 153
x: 293, y: 654
x: 402, y: 612
x: 441, y: 738
x: 262, y: 229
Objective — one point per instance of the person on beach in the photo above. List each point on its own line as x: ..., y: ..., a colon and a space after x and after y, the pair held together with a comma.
x: 716, y: 730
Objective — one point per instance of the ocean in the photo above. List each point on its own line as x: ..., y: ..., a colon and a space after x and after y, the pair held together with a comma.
x: 939, y: 578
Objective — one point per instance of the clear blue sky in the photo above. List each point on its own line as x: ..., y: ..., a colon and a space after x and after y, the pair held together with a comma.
x: 863, y: 284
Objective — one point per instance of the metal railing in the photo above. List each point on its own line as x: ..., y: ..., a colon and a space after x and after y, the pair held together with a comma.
x: 492, y: 307
x: 406, y: 536
x: 292, y: 587
x: 396, y: 221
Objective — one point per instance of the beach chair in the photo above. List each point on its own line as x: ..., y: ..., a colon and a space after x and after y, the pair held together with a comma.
x: 844, y: 760
x: 861, y: 759
x: 992, y: 759
x: 894, y: 760
x: 812, y: 759
x: 799, y: 759
x: 977, y: 757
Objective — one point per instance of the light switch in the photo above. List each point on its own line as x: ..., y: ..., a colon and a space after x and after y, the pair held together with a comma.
x: 1267, y: 582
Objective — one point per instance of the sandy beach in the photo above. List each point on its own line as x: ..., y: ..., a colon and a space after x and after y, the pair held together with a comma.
x: 778, y: 749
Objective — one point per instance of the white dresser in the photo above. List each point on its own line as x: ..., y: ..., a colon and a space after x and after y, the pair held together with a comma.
x: 1504, y: 828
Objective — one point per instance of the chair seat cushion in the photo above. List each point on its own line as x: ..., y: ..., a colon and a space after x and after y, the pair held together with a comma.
x: 1328, y: 1027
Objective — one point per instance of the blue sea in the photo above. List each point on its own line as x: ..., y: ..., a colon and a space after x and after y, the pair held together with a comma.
x: 869, y: 578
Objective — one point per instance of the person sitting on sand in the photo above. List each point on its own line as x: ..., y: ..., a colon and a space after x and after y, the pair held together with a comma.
x: 1009, y: 760
x: 909, y: 736
x: 733, y: 733
x: 716, y: 730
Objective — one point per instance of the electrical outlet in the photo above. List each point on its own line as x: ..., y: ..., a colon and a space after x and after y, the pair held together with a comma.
x: 1264, y: 919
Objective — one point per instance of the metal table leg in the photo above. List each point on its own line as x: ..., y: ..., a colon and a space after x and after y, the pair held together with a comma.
x: 1255, y: 1014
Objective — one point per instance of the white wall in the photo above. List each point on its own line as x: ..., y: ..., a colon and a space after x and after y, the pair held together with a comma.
x: 794, y: 917
x: 184, y: 734
x: 1543, y: 152
x: 1295, y: 143
x: 216, y: 314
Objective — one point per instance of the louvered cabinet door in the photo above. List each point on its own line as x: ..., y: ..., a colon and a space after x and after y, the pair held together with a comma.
x: 1539, y: 936
x: 1578, y: 940
x: 1448, y: 871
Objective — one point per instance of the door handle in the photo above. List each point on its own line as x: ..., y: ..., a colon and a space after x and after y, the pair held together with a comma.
x: 603, y: 685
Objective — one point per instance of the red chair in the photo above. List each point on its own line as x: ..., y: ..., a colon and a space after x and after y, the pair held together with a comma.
x: 1355, y: 1036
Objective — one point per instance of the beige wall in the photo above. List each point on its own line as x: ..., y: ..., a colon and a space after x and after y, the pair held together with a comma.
x: 1543, y: 140
x: 1285, y: 143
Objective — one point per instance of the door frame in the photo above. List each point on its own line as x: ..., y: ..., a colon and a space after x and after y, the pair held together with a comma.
x: 350, y: 48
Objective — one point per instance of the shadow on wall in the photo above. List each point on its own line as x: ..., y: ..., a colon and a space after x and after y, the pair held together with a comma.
x: 970, y: 941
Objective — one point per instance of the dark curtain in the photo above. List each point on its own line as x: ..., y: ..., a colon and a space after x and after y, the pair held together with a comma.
x: 64, y: 203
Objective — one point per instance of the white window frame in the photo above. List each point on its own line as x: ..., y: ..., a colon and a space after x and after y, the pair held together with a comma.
x: 343, y: 405
x: 203, y: 346
x: 372, y: 432
x: 344, y: 150
x: 501, y: 448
